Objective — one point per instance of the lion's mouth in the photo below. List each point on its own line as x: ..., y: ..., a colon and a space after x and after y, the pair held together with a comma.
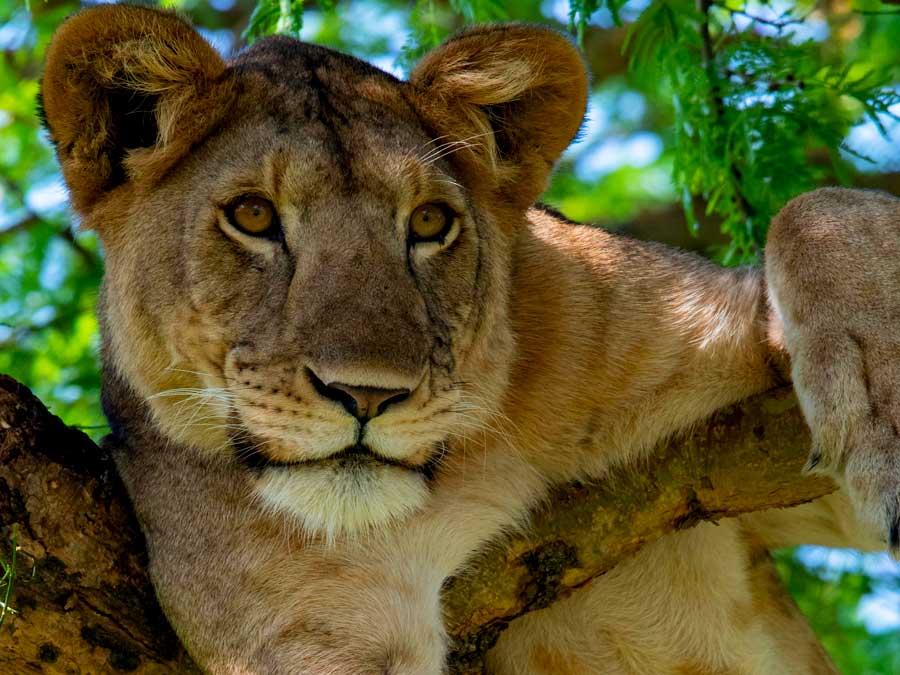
x: 353, y: 458
x: 347, y: 492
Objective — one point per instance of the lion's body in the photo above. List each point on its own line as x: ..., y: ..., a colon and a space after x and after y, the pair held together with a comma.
x: 704, y: 601
x: 288, y: 532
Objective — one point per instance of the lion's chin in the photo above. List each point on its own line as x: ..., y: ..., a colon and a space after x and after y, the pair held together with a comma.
x: 334, y: 501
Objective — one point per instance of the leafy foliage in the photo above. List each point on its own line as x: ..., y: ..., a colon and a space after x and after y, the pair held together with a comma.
x: 284, y: 17
x: 581, y: 11
x: 830, y: 599
x: 48, y: 273
x: 750, y: 109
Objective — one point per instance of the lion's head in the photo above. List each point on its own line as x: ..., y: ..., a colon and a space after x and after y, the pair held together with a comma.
x: 308, y: 259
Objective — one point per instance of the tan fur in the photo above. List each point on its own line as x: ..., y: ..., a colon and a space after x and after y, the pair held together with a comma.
x: 534, y: 351
x: 845, y: 360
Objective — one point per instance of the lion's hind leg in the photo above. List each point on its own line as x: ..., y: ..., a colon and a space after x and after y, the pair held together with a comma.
x: 704, y: 601
x: 833, y: 267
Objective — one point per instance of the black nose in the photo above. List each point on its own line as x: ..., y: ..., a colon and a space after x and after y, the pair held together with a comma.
x: 363, y: 403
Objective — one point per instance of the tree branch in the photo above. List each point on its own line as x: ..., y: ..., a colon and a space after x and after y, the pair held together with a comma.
x: 90, y: 606
x: 89, y: 258
x: 784, y: 20
x: 30, y: 220
x: 748, y: 457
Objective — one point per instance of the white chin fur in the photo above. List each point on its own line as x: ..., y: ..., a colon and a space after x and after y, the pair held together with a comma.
x: 339, y: 501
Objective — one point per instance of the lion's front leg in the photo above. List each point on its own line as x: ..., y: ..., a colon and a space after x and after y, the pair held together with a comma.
x: 284, y: 610
x: 360, y: 620
x: 249, y: 594
x: 833, y: 266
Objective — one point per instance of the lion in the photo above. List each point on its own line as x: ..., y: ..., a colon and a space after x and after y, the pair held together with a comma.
x: 343, y: 349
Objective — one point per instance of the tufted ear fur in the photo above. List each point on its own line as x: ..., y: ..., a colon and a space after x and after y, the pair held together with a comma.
x: 126, y: 92
x: 517, y: 92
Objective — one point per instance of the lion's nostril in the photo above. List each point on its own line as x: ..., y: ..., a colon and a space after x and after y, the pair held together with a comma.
x: 364, y: 403
x: 396, y: 396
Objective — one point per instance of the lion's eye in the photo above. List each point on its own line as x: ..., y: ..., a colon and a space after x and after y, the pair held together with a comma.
x: 430, y: 222
x: 253, y: 215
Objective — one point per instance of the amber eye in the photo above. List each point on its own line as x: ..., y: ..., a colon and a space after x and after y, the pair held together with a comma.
x: 253, y: 215
x: 430, y: 222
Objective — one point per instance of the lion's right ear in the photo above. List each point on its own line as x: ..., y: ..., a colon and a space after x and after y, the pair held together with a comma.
x: 126, y: 92
x: 512, y: 94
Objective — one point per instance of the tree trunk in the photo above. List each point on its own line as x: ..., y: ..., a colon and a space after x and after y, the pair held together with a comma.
x: 83, y: 604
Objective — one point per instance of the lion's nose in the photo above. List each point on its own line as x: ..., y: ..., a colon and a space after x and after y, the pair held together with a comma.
x: 363, y: 403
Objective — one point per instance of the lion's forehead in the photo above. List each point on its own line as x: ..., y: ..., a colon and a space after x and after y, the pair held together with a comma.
x: 311, y: 89
x: 325, y: 122
x: 286, y: 58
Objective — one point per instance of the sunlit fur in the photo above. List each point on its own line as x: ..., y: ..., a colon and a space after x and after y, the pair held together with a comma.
x: 536, y: 351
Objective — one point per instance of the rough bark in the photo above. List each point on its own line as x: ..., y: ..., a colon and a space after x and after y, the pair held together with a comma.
x: 84, y: 604
x: 747, y: 457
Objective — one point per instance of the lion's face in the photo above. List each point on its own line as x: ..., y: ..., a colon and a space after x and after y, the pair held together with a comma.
x: 315, y: 285
x: 331, y: 348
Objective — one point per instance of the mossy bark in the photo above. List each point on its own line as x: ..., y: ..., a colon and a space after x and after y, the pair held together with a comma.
x: 84, y: 604
x: 746, y: 458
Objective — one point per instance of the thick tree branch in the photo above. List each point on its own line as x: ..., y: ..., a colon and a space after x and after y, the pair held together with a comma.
x: 83, y: 599
x: 748, y: 457
x: 90, y: 608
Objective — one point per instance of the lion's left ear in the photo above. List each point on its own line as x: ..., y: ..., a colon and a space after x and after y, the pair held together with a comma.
x: 517, y: 93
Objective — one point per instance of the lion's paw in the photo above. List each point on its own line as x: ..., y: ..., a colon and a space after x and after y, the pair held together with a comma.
x: 851, y: 400
x: 833, y: 268
x: 872, y: 478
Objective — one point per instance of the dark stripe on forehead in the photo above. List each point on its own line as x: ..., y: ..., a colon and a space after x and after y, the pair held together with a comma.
x: 287, y: 58
x: 315, y: 84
